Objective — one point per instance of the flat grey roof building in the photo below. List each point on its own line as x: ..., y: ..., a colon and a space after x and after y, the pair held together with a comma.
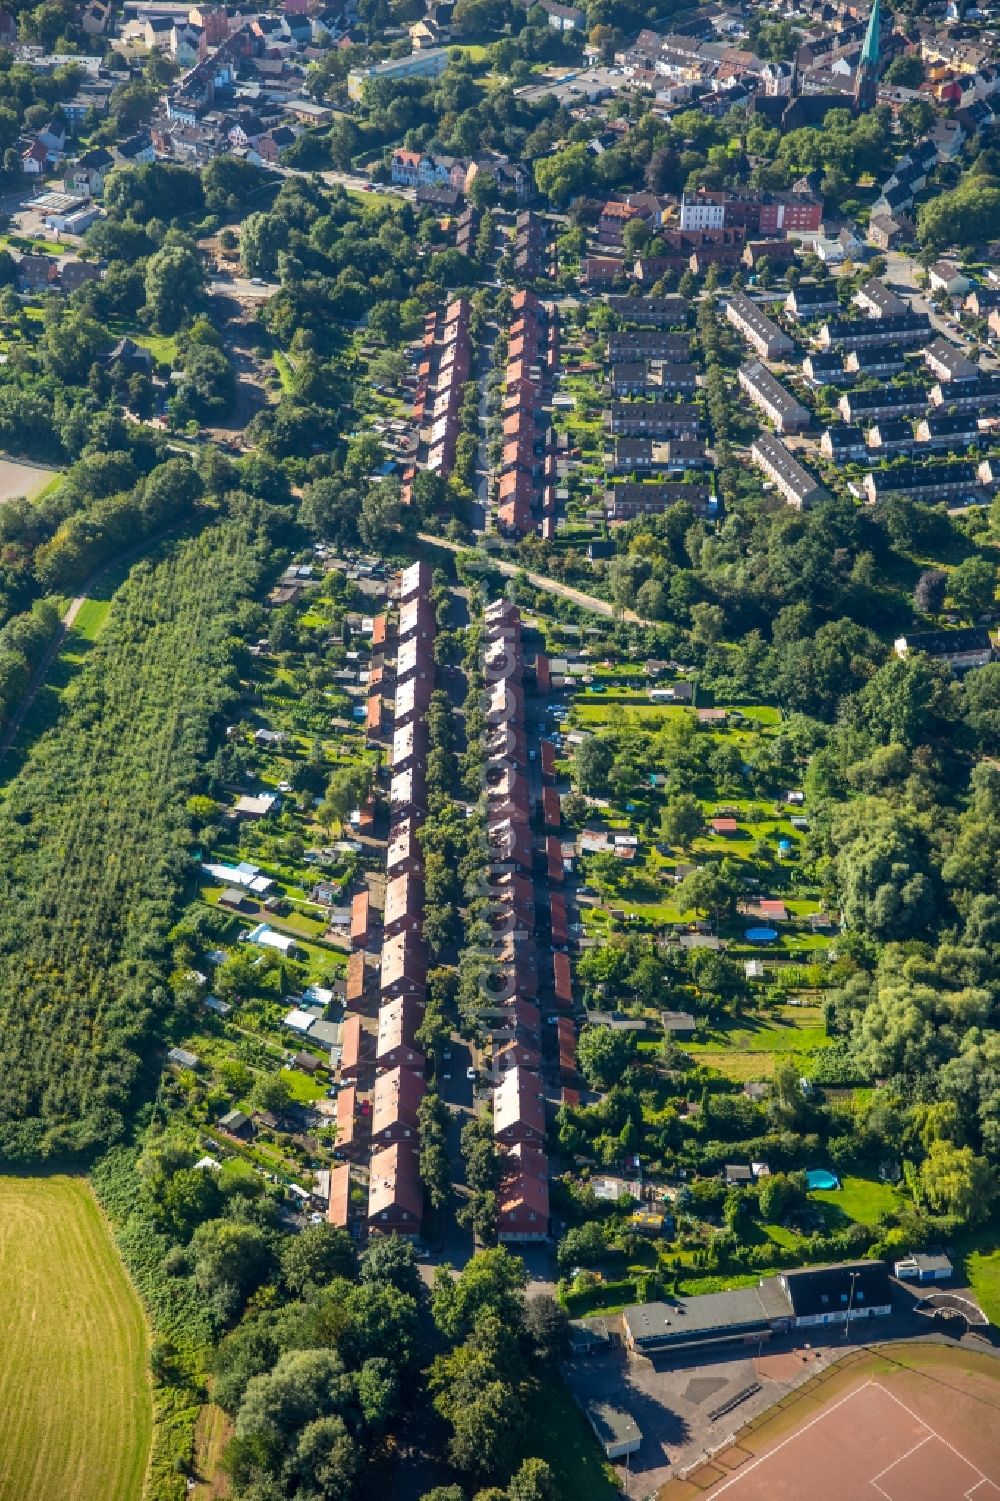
x: 617, y: 1431
x: 704, y: 1319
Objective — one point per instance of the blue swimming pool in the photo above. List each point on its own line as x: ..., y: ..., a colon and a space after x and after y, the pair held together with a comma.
x: 761, y: 935
x: 819, y: 1177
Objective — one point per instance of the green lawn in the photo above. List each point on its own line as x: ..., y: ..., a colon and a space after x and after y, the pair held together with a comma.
x: 794, y: 1030
x: 863, y: 1200
x: 743, y: 1068
x: 694, y: 1284
x: 285, y: 372
x: 90, y: 619
x: 603, y: 1297
x: 590, y: 709
x: 786, y: 1239
x: 560, y: 1434
x: 163, y: 347
x: 74, y: 1382
x: 303, y: 1089
x: 981, y: 1252
x: 592, y: 713
x: 37, y: 246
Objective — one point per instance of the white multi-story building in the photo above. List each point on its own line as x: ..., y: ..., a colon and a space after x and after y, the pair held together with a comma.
x: 702, y: 215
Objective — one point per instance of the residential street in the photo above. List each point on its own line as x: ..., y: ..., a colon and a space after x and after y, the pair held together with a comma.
x: 901, y: 275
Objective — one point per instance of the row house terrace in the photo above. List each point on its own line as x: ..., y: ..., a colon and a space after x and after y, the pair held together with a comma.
x: 515, y: 1024
x: 528, y: 248
x: 527, y: 468
x: 443, y: 368
x: 382, y: 1064
x: 404, y: 968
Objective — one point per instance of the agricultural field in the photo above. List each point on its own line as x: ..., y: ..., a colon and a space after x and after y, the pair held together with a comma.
x: 744, y: 1048
x: 74, y: 1383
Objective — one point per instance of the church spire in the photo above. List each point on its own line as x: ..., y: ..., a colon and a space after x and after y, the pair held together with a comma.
x: 866, y: 80
x: 870, y: 51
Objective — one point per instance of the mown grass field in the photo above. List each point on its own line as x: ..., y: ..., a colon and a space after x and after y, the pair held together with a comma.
x: 979, y: 1261
x: 74, y: 1389
x: 861, y: 1200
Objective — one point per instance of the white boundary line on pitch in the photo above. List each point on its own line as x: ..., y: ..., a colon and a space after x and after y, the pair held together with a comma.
x: 917, y: 1418
x: 927, y: 1438
x: 918, y: 1445
x: 735, y: 1479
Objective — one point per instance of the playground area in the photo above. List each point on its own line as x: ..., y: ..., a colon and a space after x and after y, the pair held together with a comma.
x: 923, y: 1426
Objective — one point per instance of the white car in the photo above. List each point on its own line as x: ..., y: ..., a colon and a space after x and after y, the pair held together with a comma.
x: 470, y: 1073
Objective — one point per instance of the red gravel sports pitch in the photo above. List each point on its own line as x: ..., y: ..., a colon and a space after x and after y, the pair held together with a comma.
x: 897, y: 1434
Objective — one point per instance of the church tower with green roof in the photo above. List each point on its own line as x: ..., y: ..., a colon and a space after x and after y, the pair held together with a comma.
x: 866, y: 79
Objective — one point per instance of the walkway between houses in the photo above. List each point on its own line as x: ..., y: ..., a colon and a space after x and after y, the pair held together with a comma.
x: 541, y: 581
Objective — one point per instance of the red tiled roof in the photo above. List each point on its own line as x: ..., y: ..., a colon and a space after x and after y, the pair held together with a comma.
x: 404, y: 964
x: 347, y: 1115
x: 355, y: 987
x: 395, y: 1099
x: 394, y: 1188
x: 338, y: 1209
x: 518, y: 1104
x: 563, y: 979
x: 398, y: 1021
x: 360, y: 918
x: 352, y: 1038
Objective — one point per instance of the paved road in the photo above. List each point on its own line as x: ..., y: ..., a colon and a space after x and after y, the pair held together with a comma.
x: 355, y: 180
x: 541, y: 581
x: 901, y: 274
x: 242, y: 288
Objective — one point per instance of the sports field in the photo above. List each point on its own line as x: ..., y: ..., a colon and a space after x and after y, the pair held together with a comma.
x: 74, y: 1391
x: 23, y: 479
x: 921, y: 1424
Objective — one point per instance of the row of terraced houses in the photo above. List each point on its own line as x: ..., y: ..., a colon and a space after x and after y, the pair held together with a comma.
x: 382, y: 1066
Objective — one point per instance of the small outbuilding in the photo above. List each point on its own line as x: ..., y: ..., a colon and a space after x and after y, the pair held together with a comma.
x: 235, y: 1123
x: 617, y: 1431
x: 924, y: 1266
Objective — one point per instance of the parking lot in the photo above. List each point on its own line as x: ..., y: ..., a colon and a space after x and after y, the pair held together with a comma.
x: 672, y: 1405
